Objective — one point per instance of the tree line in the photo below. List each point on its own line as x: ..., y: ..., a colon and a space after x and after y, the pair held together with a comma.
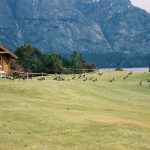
x: 33, y: 60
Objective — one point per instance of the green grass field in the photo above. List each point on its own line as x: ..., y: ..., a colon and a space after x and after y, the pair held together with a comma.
x: 76, y: 115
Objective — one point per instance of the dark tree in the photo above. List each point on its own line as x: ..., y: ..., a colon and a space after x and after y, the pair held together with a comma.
x: 56, y: 64
x: 77, y: 62
x: 32, y: 60
x: 28, y: 57
x: 90, y: 67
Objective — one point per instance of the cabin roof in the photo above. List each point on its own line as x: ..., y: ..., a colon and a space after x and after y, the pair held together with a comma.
x: 6, y: 51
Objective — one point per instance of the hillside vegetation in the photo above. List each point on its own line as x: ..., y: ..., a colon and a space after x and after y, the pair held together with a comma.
x: 74, y: 115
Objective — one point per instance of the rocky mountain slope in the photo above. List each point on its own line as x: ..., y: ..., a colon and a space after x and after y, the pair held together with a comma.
x: 49, y: 25
x: 90, y: 26
x: 126, y: 28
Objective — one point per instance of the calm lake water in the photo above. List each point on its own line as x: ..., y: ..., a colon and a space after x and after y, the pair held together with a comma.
x: 128, y: 69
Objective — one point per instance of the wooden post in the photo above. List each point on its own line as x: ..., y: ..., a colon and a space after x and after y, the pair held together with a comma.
x: 27, y: 75
x: 42, y: 74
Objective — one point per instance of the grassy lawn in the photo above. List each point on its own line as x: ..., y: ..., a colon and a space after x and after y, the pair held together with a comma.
x: 76, y: 115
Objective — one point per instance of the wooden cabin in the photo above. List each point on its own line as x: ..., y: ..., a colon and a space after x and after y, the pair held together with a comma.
x: 5, y: 58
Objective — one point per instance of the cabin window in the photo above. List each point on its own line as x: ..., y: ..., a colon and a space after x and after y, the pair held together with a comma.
x: 5, y: 58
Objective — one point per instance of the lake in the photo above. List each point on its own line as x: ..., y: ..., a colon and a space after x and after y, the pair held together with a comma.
x: 129, y: 69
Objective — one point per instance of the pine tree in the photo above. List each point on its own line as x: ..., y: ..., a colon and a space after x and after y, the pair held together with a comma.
x: 77, y: 62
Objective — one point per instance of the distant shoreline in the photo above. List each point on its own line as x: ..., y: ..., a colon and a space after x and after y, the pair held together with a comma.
x: 144, y: 69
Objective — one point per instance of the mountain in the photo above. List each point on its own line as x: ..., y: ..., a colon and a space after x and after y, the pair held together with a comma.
x: 126, y: 28
x: 93, y: 27
x: 49, y: 25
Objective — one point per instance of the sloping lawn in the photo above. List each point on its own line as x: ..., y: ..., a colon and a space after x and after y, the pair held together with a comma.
x: 76, y: 115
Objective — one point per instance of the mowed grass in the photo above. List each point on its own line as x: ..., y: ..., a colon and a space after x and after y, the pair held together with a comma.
x: 76, y: 115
